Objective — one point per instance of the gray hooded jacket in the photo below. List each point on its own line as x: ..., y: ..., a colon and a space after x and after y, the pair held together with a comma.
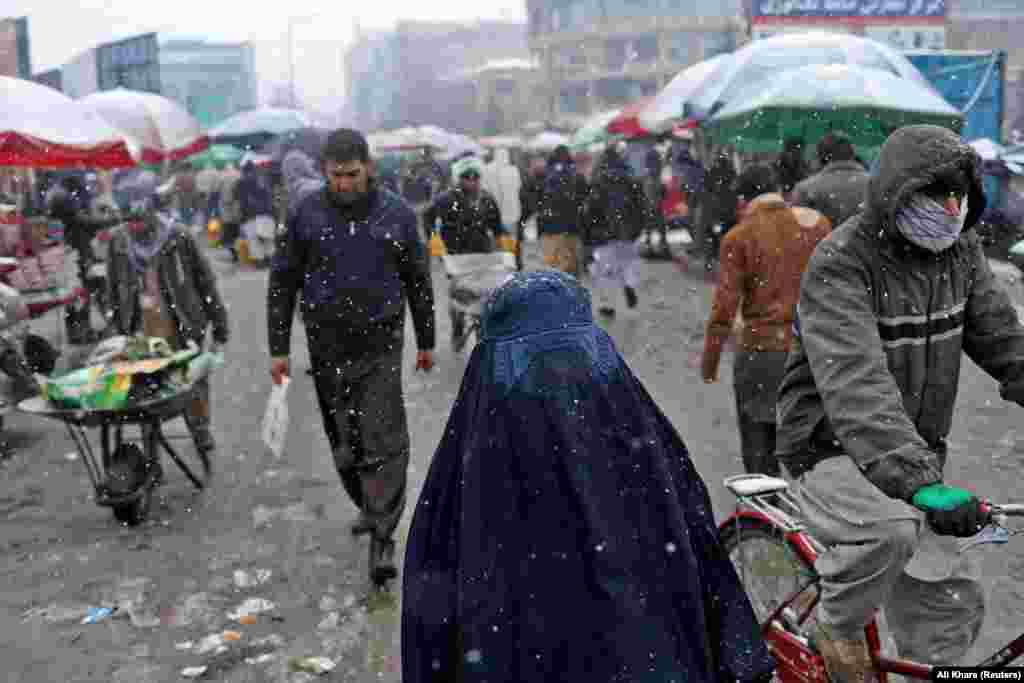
x: 838, y: 191
x: 881, y: 327
x: 302, y: 178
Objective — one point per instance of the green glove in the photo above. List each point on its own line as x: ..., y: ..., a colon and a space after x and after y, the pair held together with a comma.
x: 939, y: 497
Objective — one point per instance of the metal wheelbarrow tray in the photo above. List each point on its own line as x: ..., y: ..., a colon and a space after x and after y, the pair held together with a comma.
x: 129, y: 500
x: 474, y: 276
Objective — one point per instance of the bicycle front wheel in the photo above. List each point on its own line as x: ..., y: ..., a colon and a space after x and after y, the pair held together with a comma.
x: 773, y: 570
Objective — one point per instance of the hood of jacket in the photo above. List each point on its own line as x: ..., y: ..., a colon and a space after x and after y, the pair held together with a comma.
x: 912, y: 158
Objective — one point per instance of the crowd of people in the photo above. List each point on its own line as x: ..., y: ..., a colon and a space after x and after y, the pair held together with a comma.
x: 563, y: 533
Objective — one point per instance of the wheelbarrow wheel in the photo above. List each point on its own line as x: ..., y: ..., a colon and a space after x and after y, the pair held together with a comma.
x: 136, y: 512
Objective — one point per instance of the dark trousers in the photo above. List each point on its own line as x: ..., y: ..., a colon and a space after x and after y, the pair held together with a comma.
x: 756, y: 379
x: 757, y: 446
x: 364, y: 417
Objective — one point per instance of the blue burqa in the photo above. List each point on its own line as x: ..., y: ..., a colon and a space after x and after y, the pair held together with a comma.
x: 562, y: 534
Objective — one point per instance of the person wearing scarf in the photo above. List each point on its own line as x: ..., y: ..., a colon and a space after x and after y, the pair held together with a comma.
x: 160, y: 284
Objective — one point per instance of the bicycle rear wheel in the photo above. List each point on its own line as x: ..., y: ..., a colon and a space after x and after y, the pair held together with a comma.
x: 772, y: 569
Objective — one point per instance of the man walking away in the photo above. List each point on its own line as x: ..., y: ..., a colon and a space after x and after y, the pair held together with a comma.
x: 616, y: 214
x: 790, y: 166
x: 839, y: 189
x: 256, y: 200
x: 470, y: 224
x: 718, y: 213
x: 560, y: 213
x: 231, y: 209
x: 354, y: 252
x: 762, y: 261
x: 529, y: 200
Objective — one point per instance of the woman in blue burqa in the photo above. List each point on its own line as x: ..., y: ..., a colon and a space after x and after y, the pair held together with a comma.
x: 562, y: 533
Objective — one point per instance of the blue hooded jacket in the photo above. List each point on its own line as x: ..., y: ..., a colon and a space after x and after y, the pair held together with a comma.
x: 562, y: 533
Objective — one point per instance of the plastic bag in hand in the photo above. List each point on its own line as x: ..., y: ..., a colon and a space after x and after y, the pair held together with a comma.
x: 275, y: 420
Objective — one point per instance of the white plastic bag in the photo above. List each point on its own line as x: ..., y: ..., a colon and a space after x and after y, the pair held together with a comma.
x: 275, y: 421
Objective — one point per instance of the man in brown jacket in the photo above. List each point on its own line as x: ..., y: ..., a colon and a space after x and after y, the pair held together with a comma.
x: 762, y: 260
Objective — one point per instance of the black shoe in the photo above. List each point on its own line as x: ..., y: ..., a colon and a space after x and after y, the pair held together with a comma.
x: 631, y: 298
x: 382, y: 560
x: 607, y: 311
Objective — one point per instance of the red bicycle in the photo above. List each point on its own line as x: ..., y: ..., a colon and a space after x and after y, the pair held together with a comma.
x: 774, y: 556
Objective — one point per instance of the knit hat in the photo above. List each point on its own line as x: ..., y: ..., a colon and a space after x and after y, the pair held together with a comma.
x: 467, y: 165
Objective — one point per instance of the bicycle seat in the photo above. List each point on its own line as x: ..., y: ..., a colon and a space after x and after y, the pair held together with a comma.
x: 749, y: 485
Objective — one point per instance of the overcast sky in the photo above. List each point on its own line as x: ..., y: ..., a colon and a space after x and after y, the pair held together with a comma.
x: 61, y: 29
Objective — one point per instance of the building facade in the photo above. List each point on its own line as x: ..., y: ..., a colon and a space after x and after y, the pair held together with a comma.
x: 15, y: 52
x: 131, y: 63
x: 599, y: 54
x: 213, y: 81
x: 500, y: 96
x: 396, y: 78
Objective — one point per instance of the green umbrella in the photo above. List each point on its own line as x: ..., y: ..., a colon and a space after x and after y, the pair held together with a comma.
x: 216, y: 155
x: 594, y: 130
x: 867, y: 104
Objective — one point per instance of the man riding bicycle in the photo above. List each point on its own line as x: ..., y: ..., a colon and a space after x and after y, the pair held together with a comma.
x: 888, y: 304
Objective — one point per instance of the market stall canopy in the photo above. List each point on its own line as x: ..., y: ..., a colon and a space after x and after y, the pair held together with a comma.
x: 43, y: 128
x: 667, y: 107
x: 756, y: 66
x: 451, y: 144
x: 216, y: 155
x: 503, y: 141
x: 988, y: 149
x: 401, y: 140
x: 627, y: 123
x: 256, y: 127
x: 159, y: 126
x: 807, y: 102
x: 546, y: 141
x: 594, y: 131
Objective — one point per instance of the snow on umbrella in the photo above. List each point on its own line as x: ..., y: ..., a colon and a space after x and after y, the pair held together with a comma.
x: 627, y: 123
x: 594, y: 130
x: 669, y: 105
x: 254, y: 125
x: 987, y: 149
x: 867, y: 104
x: 161, y: 127
x: 40, y: 127
x: 309, y: 141
x: 216, y: 155
x: 546, y: 141
x: 502, y: 142
x: 755, y: 66
x: 450, y: 144
x: 403, y: 139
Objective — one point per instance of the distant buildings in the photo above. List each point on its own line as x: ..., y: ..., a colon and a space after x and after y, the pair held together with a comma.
x: 395, y: 78
x: 497, y: 97
x: 212, y: 81
x: 15, y: 55
x: 600, y: 54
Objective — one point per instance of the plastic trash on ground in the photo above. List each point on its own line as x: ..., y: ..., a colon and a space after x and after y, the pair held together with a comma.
x: 193, y: 671
x: 312, y: 665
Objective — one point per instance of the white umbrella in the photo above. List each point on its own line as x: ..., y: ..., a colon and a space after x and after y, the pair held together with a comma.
x: 756, y: 65
x: 546, y: 141
x: 503, y: 142
x: 450, y: 144
x: 265, y: 122
x: 41, y: 127
x: 160, y: 126
x: 660, y: 115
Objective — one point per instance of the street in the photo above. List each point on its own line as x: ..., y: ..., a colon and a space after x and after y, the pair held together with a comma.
x: 277, y: 530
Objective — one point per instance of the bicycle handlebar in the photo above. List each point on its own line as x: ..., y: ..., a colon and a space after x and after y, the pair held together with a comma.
x: 995, y: 532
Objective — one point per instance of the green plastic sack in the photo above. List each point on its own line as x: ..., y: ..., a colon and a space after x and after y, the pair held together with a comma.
x: 91, y: 388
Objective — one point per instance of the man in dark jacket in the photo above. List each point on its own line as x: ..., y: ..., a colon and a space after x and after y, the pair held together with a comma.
x: 560, y: 212
x: 718, y: 202
x: 839, y: 188
x: 470, y: 224
x: 160, y: 284
x: 256, y: 201
x: 354, y: 251
x: 888, y: 306
x: 530, y: 193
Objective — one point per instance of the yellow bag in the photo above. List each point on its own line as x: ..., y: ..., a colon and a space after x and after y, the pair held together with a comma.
x: 437, y: 247
x: 508, y: 243
x: 213, y: 232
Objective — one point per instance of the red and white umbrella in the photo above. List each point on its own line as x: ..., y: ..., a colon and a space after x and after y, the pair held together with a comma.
x: 40, y: 127
x: 161, y: 127
x: 627, y: 123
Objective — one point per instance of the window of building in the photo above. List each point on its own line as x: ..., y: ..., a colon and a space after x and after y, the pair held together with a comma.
x: 630, y: 9
x: 573, y: 100
x: 621, y: 53
x: 986, y: 9
x: 703, y: 8
x: 718, y: 42
x: 683, y: 47
x: 505, y: 86
x: 619, y: 91
x: 568, y: 57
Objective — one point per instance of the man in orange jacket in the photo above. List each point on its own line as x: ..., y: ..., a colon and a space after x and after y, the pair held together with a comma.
x: 762, y: 260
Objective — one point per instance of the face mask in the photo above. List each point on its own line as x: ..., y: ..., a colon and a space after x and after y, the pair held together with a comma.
x: 926, y: 223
